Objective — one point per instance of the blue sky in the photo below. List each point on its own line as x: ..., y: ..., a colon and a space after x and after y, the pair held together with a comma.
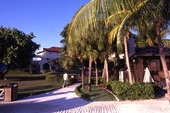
x: 45, y: 18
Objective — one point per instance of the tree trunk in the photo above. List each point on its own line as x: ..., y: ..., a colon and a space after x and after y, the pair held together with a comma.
x: 165, y: 69
x: 97, y: 78
x: 107, y: 70
x: 104, y: 75
x: 127, y: 59
x: 90, y: 72
x: 162, y: 58
x: 82, y: 74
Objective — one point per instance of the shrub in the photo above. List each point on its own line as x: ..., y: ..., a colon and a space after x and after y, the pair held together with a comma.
x: 79, y: 92
x: 93, y: 81
x: 32, y: 69
x: 51, y: 78
x: 100, y: 80
x: 72, y: 80
x: 125, y: 91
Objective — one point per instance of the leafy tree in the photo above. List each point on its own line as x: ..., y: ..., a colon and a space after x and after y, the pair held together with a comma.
x: 64, y: 60
x: 16, y: 47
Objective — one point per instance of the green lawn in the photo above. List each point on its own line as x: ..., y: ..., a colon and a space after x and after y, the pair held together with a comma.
x: 96, y: 94
x: 31, y: 84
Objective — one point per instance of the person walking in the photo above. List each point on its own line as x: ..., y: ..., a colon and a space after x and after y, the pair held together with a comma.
x: 65, y: 78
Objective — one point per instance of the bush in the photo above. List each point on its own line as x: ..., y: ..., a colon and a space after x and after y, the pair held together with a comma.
x: 79, y: 92
x: 72, y: 80
x: 52, y: 78
x: 125, y: 91
x: 32, y: 69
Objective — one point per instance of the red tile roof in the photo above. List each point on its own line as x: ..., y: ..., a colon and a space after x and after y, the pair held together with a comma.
x: 51, y: 49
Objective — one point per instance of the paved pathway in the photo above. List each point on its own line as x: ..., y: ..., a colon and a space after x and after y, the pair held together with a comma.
x: 66, y: 101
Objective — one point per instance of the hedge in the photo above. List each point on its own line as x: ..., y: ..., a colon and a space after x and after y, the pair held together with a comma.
x: 125, y: 91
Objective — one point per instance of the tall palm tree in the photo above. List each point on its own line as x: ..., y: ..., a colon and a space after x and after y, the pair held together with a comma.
x: 119, y: 20
x: 126, y: 11
x: 156, y: 13
x: 154, y: 8
x: 82, y: 22
x: 158, y: 16
x: 87, y: 17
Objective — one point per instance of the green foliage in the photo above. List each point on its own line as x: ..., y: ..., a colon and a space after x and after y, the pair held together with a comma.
x: 52, y: 78
x: 96, y: 94
x: 30, y: 84
x: 32, y: 69
x: 16, y: 47
x: 72, y: 80
x: 79, y: 92
x: 125, y: 91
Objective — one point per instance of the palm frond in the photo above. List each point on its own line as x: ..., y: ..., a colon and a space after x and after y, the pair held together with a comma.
x: 112, y: 35
x: 164, y: 33
x: 149, y: 40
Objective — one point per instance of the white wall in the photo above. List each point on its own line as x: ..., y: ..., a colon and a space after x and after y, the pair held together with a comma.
x: 46, y: 57
x: 50, y: 55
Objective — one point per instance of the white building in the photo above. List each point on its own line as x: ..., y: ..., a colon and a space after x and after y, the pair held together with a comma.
x: 43, y: 58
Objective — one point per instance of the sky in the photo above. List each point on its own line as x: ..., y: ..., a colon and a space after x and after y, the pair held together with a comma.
x: 45, y: 18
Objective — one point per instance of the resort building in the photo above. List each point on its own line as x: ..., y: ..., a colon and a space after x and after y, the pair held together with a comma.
x: 42, y: 62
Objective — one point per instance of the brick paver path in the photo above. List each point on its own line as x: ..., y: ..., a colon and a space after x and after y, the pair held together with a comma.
x: 66, y: 101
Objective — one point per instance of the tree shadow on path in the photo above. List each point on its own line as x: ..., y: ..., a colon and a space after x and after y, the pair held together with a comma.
x: 54, y: 101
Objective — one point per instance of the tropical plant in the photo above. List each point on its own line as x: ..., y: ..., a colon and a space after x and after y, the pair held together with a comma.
x: 95, y: 40
x: 153, y: 13
x: 121, y: 16
x: 158, y: 17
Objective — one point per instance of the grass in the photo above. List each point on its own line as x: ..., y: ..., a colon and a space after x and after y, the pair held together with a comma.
x: 96, y: 94
x: 30, y: 84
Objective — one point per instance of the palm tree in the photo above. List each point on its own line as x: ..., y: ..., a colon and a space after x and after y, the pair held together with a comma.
x: 158, y: 17
x: 88, y: 15
x: 119, y: 20
x: 125, y: 11
x: 82, y: 24
x: 156, y: 14
x: 68, y: 57
x: 154, y: 8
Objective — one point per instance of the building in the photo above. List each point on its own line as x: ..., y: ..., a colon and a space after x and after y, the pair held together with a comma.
x: 145, y: 58
x: 149, y: 57
x: 42, y: 61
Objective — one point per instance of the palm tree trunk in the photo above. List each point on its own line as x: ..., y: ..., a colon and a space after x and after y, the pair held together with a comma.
x: 127, y: 59
x: 162, y: 58
x: 97, y: 78
x: 107, y: 71
x: 90, y: 72
x: 104, y: 74
x: 82, y: 73
x: 165, y: 69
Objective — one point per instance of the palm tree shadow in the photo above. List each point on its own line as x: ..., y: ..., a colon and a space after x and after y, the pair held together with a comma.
x: 46, y: 103
x: 49, y: 106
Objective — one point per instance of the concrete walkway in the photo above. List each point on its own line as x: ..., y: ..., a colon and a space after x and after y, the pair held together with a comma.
x: 66, y: 101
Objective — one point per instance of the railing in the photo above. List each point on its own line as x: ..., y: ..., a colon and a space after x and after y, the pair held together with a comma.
x: 1, y: 94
